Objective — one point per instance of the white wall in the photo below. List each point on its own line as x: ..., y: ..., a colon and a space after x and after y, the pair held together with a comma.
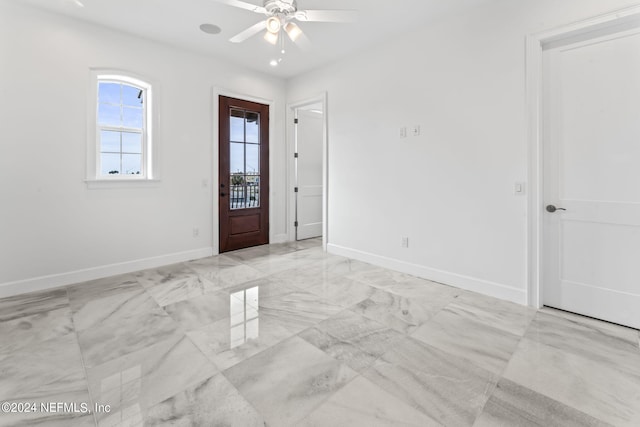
x: 451, y: 190
x: 51, y: 225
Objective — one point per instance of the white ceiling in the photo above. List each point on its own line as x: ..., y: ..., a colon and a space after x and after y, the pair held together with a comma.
x: 176, y: 22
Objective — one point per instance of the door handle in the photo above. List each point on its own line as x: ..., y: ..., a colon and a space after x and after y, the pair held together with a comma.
x: 552, y: 209
x: 222, y: 194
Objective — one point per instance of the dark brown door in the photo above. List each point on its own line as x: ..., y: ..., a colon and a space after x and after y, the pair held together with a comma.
x: 244, y: 174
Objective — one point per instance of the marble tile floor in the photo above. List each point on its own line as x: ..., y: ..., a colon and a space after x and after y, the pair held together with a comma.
x: 287, y: 335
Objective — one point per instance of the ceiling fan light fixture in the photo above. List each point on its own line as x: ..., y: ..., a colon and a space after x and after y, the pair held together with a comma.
x: 293, y: 31
x: 274, y: 25
x: 271, y: 37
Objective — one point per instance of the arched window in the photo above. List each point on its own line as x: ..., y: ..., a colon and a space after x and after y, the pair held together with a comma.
x: 123, y: 127
x: 122, y: 142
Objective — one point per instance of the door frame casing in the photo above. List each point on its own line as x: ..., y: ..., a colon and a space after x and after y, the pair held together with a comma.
x: 535, y: 44
x: 214, y: 178
x: 291, y: 195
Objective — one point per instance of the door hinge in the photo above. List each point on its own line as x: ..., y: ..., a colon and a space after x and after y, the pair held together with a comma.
x: 295, y: 224
x: 295, y: 190
x: 295, y: 155
x: 295, y: 121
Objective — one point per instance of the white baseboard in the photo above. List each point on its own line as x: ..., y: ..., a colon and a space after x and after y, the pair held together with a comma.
x: 453, y: 279
x: 78, y: 276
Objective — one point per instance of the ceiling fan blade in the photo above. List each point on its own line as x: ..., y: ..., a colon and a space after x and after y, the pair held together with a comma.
x: 249, y: 32
x: 243, y: 5
x: 326, y: 15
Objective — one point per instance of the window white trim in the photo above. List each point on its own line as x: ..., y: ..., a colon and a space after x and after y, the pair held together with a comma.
x: 150, y: 170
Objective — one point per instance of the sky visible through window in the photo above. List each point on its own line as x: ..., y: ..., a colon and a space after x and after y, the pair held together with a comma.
x: 121, y: 121
x: 238, y: 146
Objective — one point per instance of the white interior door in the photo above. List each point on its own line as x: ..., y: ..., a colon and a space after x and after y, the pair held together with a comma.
x: 592, y: 169
x: 309, y: 139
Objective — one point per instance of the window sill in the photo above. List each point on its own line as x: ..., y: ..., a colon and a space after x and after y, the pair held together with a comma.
x: 122, y: 183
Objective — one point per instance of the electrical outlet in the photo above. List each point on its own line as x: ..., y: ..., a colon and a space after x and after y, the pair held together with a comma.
x: 415, y: 131
x: 405, y: 242
x: 196, y: 232
x: 403, y: 132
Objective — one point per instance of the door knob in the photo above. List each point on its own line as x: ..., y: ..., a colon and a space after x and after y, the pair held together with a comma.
x: 222, y: 194
x: 552, y: 209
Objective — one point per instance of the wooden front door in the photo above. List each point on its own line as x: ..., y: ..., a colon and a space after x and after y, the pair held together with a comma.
x: 244, y: 174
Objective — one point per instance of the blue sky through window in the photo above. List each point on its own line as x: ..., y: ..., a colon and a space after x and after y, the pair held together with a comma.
x: 121, y: 116
x: 238, y: 148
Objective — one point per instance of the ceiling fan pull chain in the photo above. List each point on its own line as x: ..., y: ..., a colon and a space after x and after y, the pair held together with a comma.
x: 282, y: 51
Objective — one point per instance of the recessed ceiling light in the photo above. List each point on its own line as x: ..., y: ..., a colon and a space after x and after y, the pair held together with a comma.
x: 210, y: 29
x: 274, y: 63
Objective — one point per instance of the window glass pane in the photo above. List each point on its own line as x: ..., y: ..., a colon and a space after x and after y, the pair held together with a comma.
x: 237, y: 196
x: 110, y: 163
x: 131, y: 164
x: 236, y: 158
x: 130, y: 96
x: 109, y: 115
x: 253, y: 127
x: 253, y: 191
x: 109, y: 93
x: 253, y: 159
x: 132, y: 117
x: 237, y: 180
x: 237, y: 126
x: 109, y: 141
x: 131, y: 142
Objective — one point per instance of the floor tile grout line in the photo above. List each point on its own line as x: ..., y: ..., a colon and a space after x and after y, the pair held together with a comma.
x: 243, y: 397
x: 369, y: 367
x: 500, y: 375
x: 222, y: 372
x: 84, y: 366
x: 327, y: 398
x: 538, y: 311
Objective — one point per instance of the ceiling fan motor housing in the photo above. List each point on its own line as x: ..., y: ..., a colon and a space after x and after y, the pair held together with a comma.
x: 280, y: 7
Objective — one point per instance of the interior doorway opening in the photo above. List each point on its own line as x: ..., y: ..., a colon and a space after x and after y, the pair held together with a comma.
x: 308, y: 171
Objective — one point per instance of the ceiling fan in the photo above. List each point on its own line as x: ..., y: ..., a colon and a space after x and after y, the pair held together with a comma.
x: 280, y: 16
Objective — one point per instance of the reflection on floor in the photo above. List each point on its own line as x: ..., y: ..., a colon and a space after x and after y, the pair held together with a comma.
x: 289, y: 335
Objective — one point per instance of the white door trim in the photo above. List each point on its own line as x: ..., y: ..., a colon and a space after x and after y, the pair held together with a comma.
x: 291, y: 111
x: 535, y: 44
x: 215, y: 215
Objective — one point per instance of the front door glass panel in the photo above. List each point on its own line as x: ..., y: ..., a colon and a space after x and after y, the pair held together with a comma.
x: 244, y: 159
